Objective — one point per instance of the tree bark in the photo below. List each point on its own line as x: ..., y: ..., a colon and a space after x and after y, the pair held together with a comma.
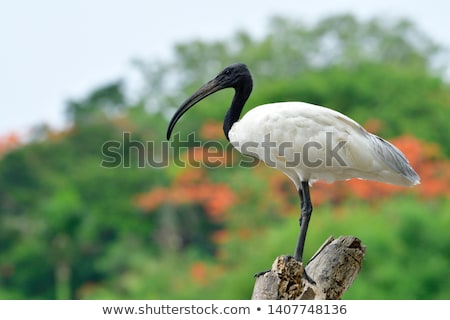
x: 329, y: 273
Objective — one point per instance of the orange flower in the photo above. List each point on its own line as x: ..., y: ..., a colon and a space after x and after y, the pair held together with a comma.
x: 151, y: 200
x: 212, y: 130
x: 191, y: 186
x: 208, y: 155
x: 198, y: 272
x: 9, y: 142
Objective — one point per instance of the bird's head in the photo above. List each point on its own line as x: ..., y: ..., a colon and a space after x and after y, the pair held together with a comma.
x: 235, y: 76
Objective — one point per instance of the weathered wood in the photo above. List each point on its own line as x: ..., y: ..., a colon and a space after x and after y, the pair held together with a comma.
x: 331, y: 271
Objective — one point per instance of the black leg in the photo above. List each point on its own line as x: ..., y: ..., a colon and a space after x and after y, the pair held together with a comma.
x: 306, y: 210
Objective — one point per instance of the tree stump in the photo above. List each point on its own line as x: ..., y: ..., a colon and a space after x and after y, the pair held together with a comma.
x: 329, y: 273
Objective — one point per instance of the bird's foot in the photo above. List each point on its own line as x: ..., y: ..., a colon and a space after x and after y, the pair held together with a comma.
x: 261, y: 273
x: 308, y: 278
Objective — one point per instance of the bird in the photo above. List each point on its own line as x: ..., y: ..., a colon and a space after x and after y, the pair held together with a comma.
x: 305, y: 141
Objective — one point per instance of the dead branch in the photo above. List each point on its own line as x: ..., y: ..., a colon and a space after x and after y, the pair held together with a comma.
x: 329, y: 273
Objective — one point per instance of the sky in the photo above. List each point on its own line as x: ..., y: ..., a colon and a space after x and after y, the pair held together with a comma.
x: 53, y: 50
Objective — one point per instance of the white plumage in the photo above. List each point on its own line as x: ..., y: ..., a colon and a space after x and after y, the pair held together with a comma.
x: 309, y: 132
x: 305, y: 141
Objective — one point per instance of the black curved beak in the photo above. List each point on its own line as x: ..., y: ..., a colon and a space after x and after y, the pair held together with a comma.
x: 207, y: 89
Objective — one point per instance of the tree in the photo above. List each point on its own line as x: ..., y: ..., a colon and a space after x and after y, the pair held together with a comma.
x: 105, y: 101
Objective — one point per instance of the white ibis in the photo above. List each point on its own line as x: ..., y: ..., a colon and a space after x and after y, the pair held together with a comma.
x: 305, y: 141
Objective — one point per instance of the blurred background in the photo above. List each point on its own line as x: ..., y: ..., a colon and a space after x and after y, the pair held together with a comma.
x: 77, y: 75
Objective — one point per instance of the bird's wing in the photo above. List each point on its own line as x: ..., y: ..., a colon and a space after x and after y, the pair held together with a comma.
x: 315, y: 134
x: 393, y: 158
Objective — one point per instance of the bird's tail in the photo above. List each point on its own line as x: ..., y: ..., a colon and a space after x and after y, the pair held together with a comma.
x: 395, y: 160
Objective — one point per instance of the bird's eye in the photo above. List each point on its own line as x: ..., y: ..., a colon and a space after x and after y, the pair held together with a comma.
x: 227, y: 72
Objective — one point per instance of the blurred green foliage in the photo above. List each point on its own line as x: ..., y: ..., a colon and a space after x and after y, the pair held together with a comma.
x: 70, y: 228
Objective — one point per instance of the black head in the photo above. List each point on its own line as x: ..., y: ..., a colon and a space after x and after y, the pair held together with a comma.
x: 235, y: 76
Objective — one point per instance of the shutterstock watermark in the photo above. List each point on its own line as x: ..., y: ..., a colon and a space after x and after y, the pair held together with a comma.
x: 129, y: 152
